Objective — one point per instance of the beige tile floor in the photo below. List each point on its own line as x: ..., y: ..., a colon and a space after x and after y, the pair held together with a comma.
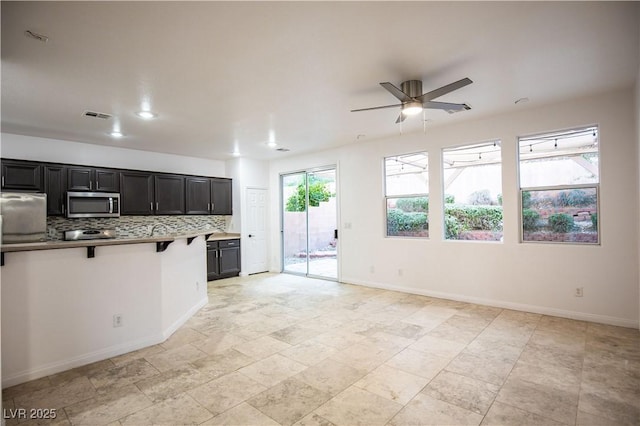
x: 281, y: 349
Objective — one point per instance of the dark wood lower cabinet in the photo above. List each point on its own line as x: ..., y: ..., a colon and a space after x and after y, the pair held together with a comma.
x: 223, y: 259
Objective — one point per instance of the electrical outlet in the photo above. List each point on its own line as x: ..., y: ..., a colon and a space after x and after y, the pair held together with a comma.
x: 117, y: 320
x: 579, y: 292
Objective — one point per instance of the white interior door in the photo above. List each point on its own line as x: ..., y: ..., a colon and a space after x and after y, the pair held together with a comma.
x: 257, y: 260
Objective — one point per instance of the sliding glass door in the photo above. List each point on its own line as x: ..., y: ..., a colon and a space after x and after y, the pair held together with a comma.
x: 309, y: 223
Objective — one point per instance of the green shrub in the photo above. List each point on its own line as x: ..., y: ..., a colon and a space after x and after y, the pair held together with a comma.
x: 297, y: 202
x: 594, y: 221
x: 414, y: 204
x: 400, y: 221
x: 561, y: 223
x: 449, y: 199
x: 480, y: 198
x: 452, y: 227
x: 574, y: 198
x: 526, y: 199
x: 530, y: 219
x: 488, y: 218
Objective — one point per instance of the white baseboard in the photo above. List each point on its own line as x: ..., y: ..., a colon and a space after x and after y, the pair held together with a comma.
x: 582, y: 316
x: 184, y: 318
x: 102, y: 354
x: 80, y: 360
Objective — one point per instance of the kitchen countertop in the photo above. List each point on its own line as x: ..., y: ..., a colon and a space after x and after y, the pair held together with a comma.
x: 50, y: 245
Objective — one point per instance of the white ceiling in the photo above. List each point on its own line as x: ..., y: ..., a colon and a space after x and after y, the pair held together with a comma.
x: 226, y: 74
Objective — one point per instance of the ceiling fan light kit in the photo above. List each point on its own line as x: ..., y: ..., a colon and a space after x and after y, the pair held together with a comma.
x: 412, y: 108
x: 414, y: 101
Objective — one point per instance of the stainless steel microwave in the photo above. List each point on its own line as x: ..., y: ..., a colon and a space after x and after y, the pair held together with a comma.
x: 93, y: 204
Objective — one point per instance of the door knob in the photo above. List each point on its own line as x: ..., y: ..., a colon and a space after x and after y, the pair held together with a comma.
x: 250, y: 235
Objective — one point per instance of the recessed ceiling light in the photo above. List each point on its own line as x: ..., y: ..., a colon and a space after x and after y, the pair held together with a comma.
x: 272, y: 144
x: 147, y: 115
x: 116, y: 134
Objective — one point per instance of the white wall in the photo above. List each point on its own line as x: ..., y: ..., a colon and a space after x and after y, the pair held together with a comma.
x: 59, y: 305
x: 638, y: 152
x: 246, y: 173
x: 55, y: 150
x: 533, y: 277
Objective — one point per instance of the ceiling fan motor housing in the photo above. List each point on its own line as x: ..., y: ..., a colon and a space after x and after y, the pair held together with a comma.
x: 413, y: 88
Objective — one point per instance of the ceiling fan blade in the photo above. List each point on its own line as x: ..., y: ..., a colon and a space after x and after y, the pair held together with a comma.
x: 401, y: 118
x: 445, y: 106
x: 396, y: 92
x: 445, y: 89
x: 379, y: 107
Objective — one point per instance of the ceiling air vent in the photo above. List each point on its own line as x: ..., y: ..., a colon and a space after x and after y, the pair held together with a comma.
x: 100, y: 115
x: 283, y: 149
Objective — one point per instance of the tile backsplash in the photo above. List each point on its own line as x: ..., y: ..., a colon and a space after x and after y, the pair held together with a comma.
x: 137, y: 226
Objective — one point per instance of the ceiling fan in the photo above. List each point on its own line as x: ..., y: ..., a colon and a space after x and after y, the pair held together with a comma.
x: 414, y: 101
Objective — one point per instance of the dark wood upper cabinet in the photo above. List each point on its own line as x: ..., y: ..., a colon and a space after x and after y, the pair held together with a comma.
x: 55, y: 185
x: 22, y: 175
x: 169, y: 194
x: 80, y: 179
x: 141, y: 192
x: 221, y: 196
x: 92, y: 179
x: 136, y: 193
x: 198, y: 195
x: 208, y: 196
x: 107, y: 180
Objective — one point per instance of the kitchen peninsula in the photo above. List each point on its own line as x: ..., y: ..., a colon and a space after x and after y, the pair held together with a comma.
x: 77, y: 302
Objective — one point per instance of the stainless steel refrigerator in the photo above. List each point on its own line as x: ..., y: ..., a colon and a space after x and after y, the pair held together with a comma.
x: 23, y: 217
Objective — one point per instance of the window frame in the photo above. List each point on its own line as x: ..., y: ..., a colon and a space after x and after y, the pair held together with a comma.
x: 386, y: 197
x: 496, y: 142
x: 563, y: 187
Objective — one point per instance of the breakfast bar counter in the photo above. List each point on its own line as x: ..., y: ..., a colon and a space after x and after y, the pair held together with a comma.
x: 211, y: 235
x: 70, y: 303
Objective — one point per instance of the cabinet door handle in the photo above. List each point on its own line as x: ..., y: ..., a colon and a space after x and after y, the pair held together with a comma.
x: 156, y: 206
x: 3, y: 181
x: 208, y: 206
x: 63, y: 208
x: 151, y: 206
x: 90, y: 184
x: 212, y: 207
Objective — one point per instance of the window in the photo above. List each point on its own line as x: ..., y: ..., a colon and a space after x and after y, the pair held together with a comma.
x: 473, y: 192
x: 407, y: 195
x: 559, y: 186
